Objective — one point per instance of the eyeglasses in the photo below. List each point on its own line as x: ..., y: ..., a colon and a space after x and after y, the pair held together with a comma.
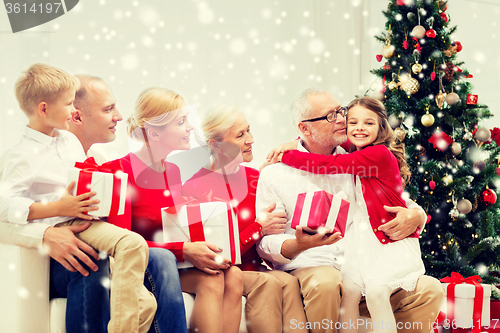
x: 330, y: 116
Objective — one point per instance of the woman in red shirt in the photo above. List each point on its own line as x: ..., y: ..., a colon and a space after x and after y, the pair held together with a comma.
x: 273, y: 297
x: 160, y: 121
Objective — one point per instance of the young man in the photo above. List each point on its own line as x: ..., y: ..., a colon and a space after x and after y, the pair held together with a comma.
x: 316, y: 259
x: 32, y: 189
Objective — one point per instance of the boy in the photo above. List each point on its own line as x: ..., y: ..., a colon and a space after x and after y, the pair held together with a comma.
x: 33, y: 188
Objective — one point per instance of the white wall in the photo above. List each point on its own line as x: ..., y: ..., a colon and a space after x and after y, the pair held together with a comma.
x: 258, y: 53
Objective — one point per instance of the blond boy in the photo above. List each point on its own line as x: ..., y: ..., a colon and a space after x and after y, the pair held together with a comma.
x: 33, y: 189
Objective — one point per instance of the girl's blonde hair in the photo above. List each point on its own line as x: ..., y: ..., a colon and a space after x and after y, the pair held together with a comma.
x: 155, y: 107
x: 385, y: 134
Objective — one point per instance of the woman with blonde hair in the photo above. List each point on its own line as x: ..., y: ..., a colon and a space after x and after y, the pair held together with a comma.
x: 160, y: 121
x: 273, y: 297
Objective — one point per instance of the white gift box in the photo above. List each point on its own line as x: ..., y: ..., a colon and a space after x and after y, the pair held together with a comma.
x: 219, y: 226
x: 110, y: 189
x: 464, y: 304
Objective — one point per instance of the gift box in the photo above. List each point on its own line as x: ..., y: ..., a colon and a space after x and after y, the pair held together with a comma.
x: 108, y: 181
x: 211, y: 222
x: 467, y: 302
x: 320, y: 209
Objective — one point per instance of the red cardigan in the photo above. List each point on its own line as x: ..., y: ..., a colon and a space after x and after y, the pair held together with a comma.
x: 148, y: 191
x: 378, y: 170
x: 243, y: 185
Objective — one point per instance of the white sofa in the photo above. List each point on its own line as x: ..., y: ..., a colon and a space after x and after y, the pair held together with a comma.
x: 24, y: 294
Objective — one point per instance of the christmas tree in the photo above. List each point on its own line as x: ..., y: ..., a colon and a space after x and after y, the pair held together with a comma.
x: 454, y: 162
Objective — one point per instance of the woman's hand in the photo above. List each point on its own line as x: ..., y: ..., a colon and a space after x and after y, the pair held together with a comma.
x: 204, y: 256
x: 272, y: 223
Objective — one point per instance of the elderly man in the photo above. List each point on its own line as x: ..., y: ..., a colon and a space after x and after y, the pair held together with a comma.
x: 76, y: 273
x: 316, y: 259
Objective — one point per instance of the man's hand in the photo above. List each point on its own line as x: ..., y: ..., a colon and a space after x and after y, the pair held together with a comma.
x: 303, y: 241
x: 63, y: 246
x: 272, y: 222
x: 204, y: 256
x: 404, y: 224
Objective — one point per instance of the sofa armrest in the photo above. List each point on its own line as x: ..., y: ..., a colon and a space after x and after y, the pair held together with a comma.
x: 24, y: 286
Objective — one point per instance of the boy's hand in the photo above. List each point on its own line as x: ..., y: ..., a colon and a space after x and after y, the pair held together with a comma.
x: 62, y: 245
x: 204, y: 256
x: 70, y: 205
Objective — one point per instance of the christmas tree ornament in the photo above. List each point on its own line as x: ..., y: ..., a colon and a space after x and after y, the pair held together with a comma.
x: 474, y: 205
x: 379, y: 57
x: 443, y: 5
x: 427, y: 120
x: 483, y: 134
x: 456, y: 148
x: 431, y: 33
x: 409, y: 85
x: 392, y: 85
x: 418, y: 32
x: 452, y: 98
x: 440, y: 97
x: 497, y: 171
x: 388, y: 50
x: 449, y: 71
x: 468, y: 135
x: 488, y: 197
x: 421, y: 151
x: 454, y: 213
x: 450, y: 51
x: 400, y: 133
x: 416, y: 68
x: 471, y: 99
x: 440, y: 140
x: 405, y: 42
x: 464, y: 206
x: 479, y: 165
x: 447, y: 180
x: 458, y: 45
x: 394, y: 121
x: 444, y: 17
x: 432, y: 185
x: 433, y: 74
x: 469, y: 179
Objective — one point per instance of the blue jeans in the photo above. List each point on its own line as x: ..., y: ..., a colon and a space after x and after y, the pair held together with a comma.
x: 87, y: 309
x: 162, y: 279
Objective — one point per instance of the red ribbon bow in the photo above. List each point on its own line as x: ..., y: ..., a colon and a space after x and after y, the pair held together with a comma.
x: 85, y: 179
x: 90, y: 165
x: 455, y: 279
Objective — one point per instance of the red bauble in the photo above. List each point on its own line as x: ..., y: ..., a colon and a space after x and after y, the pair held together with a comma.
x: 458, y: 45
x: 431, y: 33
x: 444, y: 17
x: 432, y: 185
x: 488, y: 197
x: 497, y: 171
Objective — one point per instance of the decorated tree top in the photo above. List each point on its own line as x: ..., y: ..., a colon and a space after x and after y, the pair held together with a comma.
x: 454, y: 163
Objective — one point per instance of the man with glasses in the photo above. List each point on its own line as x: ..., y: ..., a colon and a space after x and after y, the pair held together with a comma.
x: 316, y: 259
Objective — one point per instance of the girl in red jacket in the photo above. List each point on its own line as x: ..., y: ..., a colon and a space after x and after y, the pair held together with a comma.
x: 374, y: 265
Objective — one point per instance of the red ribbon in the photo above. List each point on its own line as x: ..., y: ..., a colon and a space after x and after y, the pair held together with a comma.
x: 455, y: 279
x: 195, y: 222
x: 89, y: 166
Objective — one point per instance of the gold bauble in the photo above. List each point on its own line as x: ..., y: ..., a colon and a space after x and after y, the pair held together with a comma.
x: 400, y: 133
x: 392, y: 85
x: 440, y: 99
x: 447, y: 180
x: 427, y: 120
x: 456, y: 148
x: 464, y: 206
x: 417, y: 68
x: 410, y: 85
x: 418, y: 32
x: 388, y: 51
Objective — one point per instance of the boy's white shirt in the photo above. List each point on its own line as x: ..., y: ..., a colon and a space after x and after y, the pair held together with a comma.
x: 30, y: 235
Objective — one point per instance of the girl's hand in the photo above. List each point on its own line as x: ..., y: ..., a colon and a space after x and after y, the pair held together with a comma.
x: 204, y: 256
x: 274, y: 154
x: 272, y: 223
x: 70, y: 205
